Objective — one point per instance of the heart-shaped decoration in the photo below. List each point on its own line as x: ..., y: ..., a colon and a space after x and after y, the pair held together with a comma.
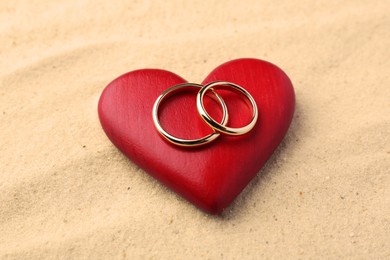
x: 213, y: 175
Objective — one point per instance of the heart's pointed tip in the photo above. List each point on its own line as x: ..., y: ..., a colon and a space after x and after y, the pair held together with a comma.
x: 214, y: 208
x: 217, y: 211
x: 217, y: 199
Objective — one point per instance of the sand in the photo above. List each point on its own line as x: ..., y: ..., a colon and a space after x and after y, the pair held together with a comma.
x: 66, y: 192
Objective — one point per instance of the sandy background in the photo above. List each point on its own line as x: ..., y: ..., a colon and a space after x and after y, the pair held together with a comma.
x: 66, y: 192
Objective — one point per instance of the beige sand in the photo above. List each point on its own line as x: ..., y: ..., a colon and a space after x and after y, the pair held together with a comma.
x: 66, y: 192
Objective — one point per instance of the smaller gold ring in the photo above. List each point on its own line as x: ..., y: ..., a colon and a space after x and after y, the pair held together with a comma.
x: 183, y: 142
x: 214, y: 124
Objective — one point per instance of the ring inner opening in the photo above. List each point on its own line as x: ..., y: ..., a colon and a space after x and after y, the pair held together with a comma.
x: 239, y: 106
x: 179, y: 117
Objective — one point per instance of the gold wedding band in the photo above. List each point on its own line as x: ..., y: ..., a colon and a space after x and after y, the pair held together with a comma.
x: 222, y: 128
x: 179, y: 141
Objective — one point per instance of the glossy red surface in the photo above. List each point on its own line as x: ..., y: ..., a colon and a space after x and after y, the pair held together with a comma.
x: 213, y: 175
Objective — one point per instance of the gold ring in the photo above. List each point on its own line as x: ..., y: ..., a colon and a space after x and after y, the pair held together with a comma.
x: 182, y: 142
x: 221, y: 127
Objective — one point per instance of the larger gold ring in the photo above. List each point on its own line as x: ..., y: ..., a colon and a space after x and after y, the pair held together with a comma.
x: 221, y: 127
x: 182, y: 142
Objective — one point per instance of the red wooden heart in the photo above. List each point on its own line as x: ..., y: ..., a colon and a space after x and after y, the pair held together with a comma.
x: 213, y: 175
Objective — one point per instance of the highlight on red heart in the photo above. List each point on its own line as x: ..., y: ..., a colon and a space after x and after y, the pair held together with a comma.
x: 209, y: 176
